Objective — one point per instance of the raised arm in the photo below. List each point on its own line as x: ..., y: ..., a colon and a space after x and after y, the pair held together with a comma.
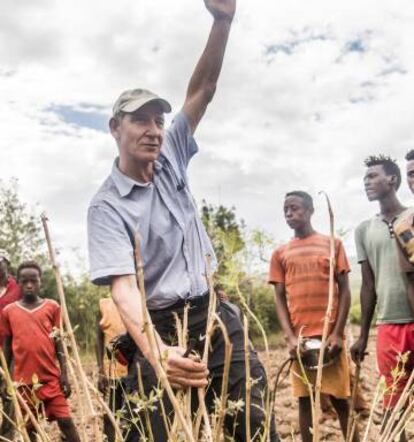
x: 203, y: 82
x: 368, y: 302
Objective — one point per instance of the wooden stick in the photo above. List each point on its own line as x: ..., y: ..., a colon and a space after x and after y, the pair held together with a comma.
x: 5, y: 374
x: 228, y: 349
x: 66, y: 321
x: 326, y: 323
x: 352, y: 419
x: 248, y: 376
x: 148, y: 329
x: 371, y: 414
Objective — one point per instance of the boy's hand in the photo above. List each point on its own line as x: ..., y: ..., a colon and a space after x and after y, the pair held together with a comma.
x: 65, y: 385
x: 102, y: 383
x: 334, y: 345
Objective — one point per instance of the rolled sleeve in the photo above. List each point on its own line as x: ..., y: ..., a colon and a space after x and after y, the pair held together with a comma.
x: 180, y: 142
x: 110, y: 249
x: 276, y: 270
x: 359, y: 243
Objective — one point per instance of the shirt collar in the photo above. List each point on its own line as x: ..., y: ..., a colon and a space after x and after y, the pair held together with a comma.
x: 124, y: 183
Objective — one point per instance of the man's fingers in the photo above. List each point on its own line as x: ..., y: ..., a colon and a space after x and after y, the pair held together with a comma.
x: 187, y: 364
x: 182, y: 382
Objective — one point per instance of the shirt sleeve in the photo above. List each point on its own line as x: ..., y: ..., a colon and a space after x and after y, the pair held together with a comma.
x: 179, y: 142
x: 342, y: 264
x: 5, y: 329
x: 111, y: 251
x: 276, y: 271
x: 359, y: 244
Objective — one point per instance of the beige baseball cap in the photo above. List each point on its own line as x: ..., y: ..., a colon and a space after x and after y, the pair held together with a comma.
x: 132, y: 99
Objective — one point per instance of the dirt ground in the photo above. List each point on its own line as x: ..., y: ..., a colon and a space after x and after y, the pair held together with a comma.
x: 286, y: 406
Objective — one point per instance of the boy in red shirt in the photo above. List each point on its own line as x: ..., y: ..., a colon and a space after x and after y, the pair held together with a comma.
x: 28, y: 325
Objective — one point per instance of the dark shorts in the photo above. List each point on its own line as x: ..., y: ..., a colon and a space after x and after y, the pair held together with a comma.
x: 164, y: 323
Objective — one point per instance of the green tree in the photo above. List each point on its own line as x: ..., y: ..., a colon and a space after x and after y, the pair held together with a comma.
x: 20, y: 228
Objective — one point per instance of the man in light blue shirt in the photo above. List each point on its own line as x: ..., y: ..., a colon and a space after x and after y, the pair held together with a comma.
x: 147, y: 192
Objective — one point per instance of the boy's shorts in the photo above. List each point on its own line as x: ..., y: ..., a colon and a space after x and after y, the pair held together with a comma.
x: 49, y: 397
x: 335, y: 378
x: 393, y: 341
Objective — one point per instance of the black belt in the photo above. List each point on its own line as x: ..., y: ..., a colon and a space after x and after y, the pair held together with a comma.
x: 196, y: 301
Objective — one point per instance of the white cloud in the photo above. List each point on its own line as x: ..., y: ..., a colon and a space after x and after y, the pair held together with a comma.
x: 303, y: 117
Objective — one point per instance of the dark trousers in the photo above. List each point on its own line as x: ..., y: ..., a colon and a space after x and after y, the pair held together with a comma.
x: 115, y: 403
x: 7, y: 427
x: 235, y: 424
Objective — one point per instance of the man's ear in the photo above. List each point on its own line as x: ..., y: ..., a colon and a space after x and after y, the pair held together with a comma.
x: 392, y: 179
x: 114, y: 127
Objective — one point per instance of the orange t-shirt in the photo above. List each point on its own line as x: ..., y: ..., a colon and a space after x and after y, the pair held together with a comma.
x: 111, y: 325
x: 303, y: 266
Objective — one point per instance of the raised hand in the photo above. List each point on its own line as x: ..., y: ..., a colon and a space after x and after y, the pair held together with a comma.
x: 221, y: 9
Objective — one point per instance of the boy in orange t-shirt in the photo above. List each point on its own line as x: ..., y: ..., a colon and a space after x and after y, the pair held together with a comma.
x: 299, y: 271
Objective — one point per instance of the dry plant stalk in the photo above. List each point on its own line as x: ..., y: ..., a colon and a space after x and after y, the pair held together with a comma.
x: 228, y: 349
x: 248, y: 376
x: 38, y: 428
x: 326, y: 322
x: 76, y: 383
x: 5, y: 374
x: 371, y: 413
x: 352, y: 419
x: 268, y: 405
x: 148, y: 329
x: 80, y: 373
x: 395, y: 415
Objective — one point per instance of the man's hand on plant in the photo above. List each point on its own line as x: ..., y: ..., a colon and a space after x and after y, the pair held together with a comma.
x: 183, y: 371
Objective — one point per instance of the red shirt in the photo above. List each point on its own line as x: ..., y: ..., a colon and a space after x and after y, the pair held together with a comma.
x: 12, y: 294
x: 33, y: 347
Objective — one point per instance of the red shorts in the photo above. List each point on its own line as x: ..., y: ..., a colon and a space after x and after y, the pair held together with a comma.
x: 49, y: 397
x: 395, y: 343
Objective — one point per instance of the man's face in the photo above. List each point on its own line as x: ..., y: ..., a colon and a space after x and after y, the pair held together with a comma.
x: 377, y: 183
x: 410, y: 175
x: 297, y: 214
x: 29, y: 281
x: 139, y: 135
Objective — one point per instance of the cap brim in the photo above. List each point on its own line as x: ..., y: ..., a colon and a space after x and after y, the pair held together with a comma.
x: 134, y: 105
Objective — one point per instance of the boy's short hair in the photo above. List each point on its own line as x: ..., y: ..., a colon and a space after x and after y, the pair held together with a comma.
x: 410, y: 155
x: 29, y: 265
x: 389, y: 165
x: 307, y: 199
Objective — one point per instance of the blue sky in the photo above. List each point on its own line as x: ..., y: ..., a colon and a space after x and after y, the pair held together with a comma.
x: 308, y: 89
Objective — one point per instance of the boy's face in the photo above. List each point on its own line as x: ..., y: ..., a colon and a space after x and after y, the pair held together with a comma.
x: 297, y: 215
x: 29, y: 281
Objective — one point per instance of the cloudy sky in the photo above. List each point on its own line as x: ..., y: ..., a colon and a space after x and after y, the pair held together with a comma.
x: 308, y: 89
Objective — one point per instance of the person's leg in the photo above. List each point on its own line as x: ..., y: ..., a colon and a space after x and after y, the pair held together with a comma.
x: 342, y: 409
x: 161, y: 408
x: 68, y: 429
x: 7, y: 426
x: 305, y: 419
x: 115, y: 401
x: 387, y: 414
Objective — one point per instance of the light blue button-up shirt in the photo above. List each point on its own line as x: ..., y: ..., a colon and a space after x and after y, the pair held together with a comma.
x: 174, y: 240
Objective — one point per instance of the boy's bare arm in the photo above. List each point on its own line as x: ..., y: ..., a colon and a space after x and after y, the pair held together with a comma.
x: 64, y: 378
x: 284, y: 317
